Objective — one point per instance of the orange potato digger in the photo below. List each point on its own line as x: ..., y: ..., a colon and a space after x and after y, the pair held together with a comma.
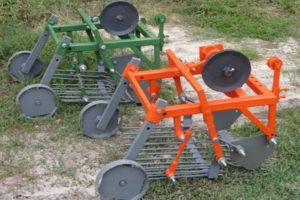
x: 154, y: 153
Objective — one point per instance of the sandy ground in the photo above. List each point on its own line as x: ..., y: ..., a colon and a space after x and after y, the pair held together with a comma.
x: 83, y: 157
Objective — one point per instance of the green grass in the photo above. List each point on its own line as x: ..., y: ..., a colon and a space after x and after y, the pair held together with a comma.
x: 257, y: 19
x: 251, y: 53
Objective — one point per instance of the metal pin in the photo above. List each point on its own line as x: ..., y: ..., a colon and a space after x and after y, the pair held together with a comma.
x: 182, y: 137
x: 222, y: 162
x: 153, y: 95
x: 82, y: 67
x: 240, y: 150
x: 85, y: 98
x: 64, y: 45
x: 103, y: 47
x: 95, y: 19
x: 273, y: 141
x: 172, y: 178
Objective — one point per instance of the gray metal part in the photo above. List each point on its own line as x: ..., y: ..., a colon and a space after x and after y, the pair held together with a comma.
x: 113, y: 104
x: 224, y: 119
x: 15, y: 63
x: 214, y: 170
x: 143, y: 135
x: 36, y: 101
x: 88, y: 119
x: 54, y: 63
x: 56, y: 59
x: 109, y: 179
x: 26, y: 68
x: 113, y: 26
x: 187, y: 121
x: 225, y: 136
x: 131, y: 94
x: 139, y: 141
x: 120, y: 63
x: 213, y: 70
x: 257, y: 150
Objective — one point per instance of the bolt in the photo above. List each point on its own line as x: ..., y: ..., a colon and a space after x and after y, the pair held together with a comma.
x: 273, y: 141
x: 112, y: 70
x: 241, y: 150
x: 85, y: 98
x: 215, y: 139
x: 120, y: 17
x: 158, y: 111
x: 37, y: 102
x: 222, y: 162
x: 193, y: 69
x: 64, y: 45
x: 82, y: 67
x: 115, y: 62
x: 122, y: 183
x: 103, y: 47
x: 172, y: 178
x: 95, y: 19
x: 153, y: 95
x: 182, y: 137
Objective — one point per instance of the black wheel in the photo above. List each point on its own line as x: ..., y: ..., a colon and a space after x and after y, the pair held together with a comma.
x: 226, y: 70
x: 119, y: 18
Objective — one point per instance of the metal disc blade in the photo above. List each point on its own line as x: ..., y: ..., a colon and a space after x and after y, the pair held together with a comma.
x: 15, y: 63
x: 36, y: 101
x: 89, y: 116
x: 257, y: 150
x: 122, y: 179
x: 119, y: 18
x: 225, y: 118
x: 226, y: 71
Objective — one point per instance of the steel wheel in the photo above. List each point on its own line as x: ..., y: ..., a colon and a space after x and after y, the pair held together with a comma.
x: 89, y: 118
x: 122, y: 179
x: 14, y: 66
x: 36, y: 100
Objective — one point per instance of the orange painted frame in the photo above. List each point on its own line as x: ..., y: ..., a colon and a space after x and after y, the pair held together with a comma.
x: 238, y: 99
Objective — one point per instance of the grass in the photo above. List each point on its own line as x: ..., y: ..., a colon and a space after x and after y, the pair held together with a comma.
x: 262, y: 19
x: 251, y: 53
x: 22, y: 140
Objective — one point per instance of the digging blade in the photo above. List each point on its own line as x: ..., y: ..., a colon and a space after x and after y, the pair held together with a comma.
x: 257, y: 150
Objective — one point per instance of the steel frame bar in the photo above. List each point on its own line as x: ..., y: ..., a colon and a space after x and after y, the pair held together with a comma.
x: 238, y: 99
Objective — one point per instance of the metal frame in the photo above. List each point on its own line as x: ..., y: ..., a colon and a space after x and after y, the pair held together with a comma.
x: 239, y: 99
x: 141, y: 37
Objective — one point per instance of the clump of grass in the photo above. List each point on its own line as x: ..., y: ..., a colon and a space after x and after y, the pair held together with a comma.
x: 258, y: 19
x: 252, y: 54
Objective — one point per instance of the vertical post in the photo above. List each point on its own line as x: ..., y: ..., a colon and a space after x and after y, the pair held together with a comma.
x: 142, y: 135
x: 61, y: 49
x: 26, y: 67
x: 115, y: 99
